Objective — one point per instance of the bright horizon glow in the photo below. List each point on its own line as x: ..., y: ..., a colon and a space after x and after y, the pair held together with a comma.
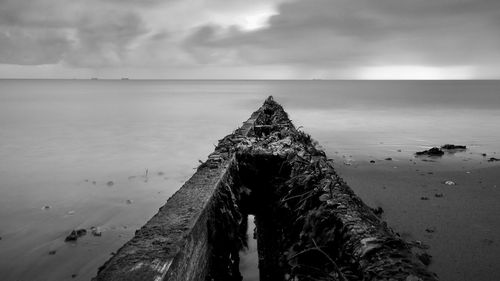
x: 414, y: 72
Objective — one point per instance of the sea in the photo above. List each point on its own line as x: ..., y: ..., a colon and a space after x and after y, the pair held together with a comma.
x: 108, y: 153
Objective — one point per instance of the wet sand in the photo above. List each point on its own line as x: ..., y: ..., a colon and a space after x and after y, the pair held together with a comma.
x: 458, y: 222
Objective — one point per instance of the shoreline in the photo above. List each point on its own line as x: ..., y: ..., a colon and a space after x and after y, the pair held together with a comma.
x: 458, y: 222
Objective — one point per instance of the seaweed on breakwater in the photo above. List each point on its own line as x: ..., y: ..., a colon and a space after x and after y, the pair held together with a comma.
x: 310, y: 224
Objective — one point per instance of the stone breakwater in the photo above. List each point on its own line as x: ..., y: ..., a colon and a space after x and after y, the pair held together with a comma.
x: 310, y: 224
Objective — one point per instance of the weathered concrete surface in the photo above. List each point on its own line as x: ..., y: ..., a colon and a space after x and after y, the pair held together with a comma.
x: 311, y: 226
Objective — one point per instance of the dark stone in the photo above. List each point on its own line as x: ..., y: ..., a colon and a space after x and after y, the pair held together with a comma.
x: 110, y: 183
x: 52, y: 253
x: 484, y: 154
x: 75, y: 234
x: 430, y: 230
x: 453, y: 146
x: 438, y: 195
x: 424, y: 198
x: 372, y: 161
x: 73, y: 275
x: 378, y: 211
x: 493, y: 159
x: 388, y: 159
x: 425, y: 258
x: 431, y: 152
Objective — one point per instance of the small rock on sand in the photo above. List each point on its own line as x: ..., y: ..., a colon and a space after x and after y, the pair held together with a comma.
x: 129, y: 201
x: 52, y: 253
x: 96, y: 231
x: 110, y: 183
x: 388, y: 159
x: 46, y: 207
x: 438, y: 195
x: 453, y: 146
x: 372, y: 161
x: 431, y: 152
x: 425, y: 258
x: 424, y: 198
x: 430, y: 230
x: 75, y: 234
x: 448, y: 182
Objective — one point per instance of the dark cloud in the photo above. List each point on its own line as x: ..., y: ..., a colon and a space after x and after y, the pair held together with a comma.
x: 32, y: 48
x: 81, y: 33
x: 341, y: 33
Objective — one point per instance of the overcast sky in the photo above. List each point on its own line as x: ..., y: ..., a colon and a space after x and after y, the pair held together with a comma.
x: 258, y: 39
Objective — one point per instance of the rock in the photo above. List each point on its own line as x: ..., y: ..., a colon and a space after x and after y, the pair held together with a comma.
x: 425, y: 258
x: 430, y: 230
x: 96, y: 231
x: 73, y: 275
x: 46, y: 207
x: 399, y: 150
x: 94, y: 182
x: 449, y: 182
x: 70, y: 213
x: 372, y: 161
x: 484, y: 154
x: 378, y: 211
x: 453, y: 146
x: 129, y: 201
x: 438, y: 195
x: 424, y: 198
x: 110, y: 183
x: 388, y: 159
x: 75, y: 234
x: 52, y: 253
x: 493, y: 159
x: 431, y: 152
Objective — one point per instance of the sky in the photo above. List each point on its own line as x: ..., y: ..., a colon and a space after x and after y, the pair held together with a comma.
x: 258, y: 39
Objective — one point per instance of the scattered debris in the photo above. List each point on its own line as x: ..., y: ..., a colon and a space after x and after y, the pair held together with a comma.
x: 52, y: 252
x: 110, y: 183
x: 493, y: 159
x: 438, y: 195
x: 425, y: 258
x: 448, y: 182
x: 453, y: 147
x: 431, y: 152
x: 75, y: 234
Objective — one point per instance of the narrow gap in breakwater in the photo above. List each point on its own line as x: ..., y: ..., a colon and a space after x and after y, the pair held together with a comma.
x: 259, y: 179
x: 249, y: 257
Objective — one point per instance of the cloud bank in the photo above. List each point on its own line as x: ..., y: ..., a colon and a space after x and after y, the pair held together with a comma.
x: 254, y: 39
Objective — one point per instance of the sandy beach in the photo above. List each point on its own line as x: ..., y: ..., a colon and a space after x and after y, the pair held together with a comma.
x: 459, y: 223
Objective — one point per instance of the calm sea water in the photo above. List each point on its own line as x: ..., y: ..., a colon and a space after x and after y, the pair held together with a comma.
x: 62, y: 143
